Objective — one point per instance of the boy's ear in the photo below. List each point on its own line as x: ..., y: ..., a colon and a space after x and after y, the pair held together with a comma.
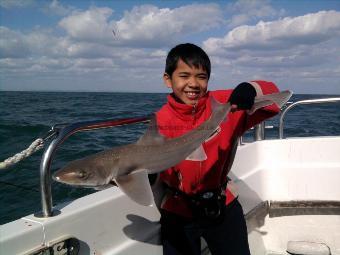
x: 167, y: 80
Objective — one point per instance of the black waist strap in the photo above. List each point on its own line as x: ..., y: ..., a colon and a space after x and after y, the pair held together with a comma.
x: 205, y: 195
x: 205, y: 206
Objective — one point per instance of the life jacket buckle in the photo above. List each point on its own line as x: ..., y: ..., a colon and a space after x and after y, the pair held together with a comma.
x: 207, y: 195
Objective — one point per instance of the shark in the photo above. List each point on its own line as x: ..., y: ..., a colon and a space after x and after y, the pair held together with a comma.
x: 128, y: 166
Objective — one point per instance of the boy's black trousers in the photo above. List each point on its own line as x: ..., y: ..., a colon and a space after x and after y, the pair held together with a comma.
x: 227, y: 235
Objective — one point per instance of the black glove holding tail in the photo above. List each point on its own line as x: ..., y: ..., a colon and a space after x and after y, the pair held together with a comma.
x: 243, y: 96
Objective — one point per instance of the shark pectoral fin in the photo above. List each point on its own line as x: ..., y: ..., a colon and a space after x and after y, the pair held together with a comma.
x: 137, y: 187
x: 279, y: 99
x: 151, y: 136
x: 197, y: 155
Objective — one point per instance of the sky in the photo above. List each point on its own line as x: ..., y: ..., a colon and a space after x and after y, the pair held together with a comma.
x: 121, y: 46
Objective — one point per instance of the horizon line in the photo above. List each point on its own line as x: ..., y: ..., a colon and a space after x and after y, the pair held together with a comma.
x: 139, y: 92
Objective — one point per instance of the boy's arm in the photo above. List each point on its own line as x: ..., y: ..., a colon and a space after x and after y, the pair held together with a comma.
x: 242, y: 98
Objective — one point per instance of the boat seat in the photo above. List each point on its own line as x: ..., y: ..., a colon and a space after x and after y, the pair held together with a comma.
x: 307, y: 248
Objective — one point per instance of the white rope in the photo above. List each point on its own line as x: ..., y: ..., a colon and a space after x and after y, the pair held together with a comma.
x: 35, y: 146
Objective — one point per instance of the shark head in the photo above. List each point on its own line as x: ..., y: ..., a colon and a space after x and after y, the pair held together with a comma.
x: 82, y: 173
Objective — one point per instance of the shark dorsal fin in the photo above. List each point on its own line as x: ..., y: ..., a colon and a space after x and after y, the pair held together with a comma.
x: 151, y: 136
x: 214, y: 104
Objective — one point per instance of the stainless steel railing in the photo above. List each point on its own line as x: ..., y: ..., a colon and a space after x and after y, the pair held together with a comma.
x: 68, y: 130
x: 62, y: 135
x: 309, y: 101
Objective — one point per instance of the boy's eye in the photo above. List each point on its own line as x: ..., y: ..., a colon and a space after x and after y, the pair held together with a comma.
x: 202, y: 77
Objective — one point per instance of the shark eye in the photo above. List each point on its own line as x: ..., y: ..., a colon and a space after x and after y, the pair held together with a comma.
x: 82, y: 174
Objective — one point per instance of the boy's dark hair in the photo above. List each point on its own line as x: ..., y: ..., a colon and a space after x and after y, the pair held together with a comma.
x: 190, y: 54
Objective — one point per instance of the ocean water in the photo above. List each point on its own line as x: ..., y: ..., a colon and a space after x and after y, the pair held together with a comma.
x: 25, y: 116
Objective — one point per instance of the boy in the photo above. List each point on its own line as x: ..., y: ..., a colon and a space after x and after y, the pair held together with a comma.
x: 198, y: 202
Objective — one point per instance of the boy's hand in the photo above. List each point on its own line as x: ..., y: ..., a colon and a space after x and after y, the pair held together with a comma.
x: 242, y: 97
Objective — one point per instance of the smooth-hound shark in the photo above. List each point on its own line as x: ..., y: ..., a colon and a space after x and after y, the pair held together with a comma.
x: 129, y: 165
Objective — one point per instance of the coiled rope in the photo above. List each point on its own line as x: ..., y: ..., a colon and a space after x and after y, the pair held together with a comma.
x: 35, y: 146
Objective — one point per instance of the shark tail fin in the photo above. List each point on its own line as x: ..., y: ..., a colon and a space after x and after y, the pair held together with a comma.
x: 279, y: 99
x: 137, y: 187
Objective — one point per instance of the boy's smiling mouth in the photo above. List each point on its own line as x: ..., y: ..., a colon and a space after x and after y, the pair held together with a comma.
x: 192, y: 94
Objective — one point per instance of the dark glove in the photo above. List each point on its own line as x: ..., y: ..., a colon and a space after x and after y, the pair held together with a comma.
x: 243, y: 96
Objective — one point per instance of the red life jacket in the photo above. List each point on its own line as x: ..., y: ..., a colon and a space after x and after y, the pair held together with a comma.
x: 191, y: 177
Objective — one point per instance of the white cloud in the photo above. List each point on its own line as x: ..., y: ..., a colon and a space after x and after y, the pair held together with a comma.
x: 244, y: 11
x: 15, y: 44
x: 281, y: 34
x: 56, y: 8
x: 159, y: 53
x: 41, y: 56
x: 12, y: 44
x: 143, y: 26
x: 86, y: 53
x: 90, y: 25
x: 152, y: 25
x: 290, y: 51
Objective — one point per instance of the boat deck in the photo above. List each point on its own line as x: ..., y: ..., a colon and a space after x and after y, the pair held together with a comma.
x: 301, y: 227
x: 289, y: 190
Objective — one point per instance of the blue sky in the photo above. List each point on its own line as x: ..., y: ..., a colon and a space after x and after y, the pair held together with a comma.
x: 70, y: 46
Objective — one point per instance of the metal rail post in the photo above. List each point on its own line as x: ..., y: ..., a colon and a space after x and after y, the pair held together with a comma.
x: 63, y: 134
x: 259, y: 133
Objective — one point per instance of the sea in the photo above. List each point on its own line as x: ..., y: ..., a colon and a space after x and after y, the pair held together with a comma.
x: 26, y: 116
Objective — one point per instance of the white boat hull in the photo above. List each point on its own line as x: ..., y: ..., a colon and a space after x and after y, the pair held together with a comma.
x: 107, y: 222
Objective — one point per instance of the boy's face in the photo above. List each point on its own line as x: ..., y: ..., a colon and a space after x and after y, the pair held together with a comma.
x: 187, y: 83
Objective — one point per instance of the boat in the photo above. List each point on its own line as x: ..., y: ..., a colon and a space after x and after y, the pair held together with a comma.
x: 289, y: 189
